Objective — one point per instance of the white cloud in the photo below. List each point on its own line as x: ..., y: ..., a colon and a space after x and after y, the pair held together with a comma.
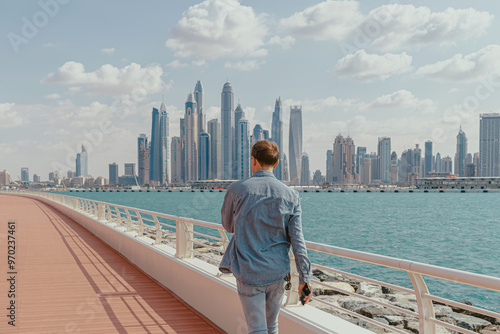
x: 219, y: 29
x: 199, y: 62
x: 53, y: 96
x: 399, y: 27
x: 245, y: 65
x: 393, y: 27
x: 48, y: 45
x: 469, y: 68
x: 285, y: 42
x: 91, y: 116
x: 177, y: 64
x: 108, y: 51
x: 368, y: 67
x: 402, y: 99
x: 323, y: 21
x: 110, y: 80
x: 9, y: 117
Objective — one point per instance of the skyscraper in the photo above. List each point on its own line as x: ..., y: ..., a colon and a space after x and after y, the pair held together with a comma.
x: 489, y: 144
x: 257, y: 133
x: 82, y: 163
x: 305, y: 174
x: 461, y: 155
x: 199, y: 97
x: 286, y: 174
x: 277, y: 136
x: 227, y: 130
x: 329, y: 166
x: 165, y: 137
x: 113, y: 174
x: 25, y: 174
x: 447, y: 165
x: 428, y: 157
x: 4, y: 178
x: 295, y: 144
x: 215, y: 148
x: 205, y: 173
x: 344, y: 158
x: 191, y: 140
x: 384, y: 155
x: 177, y: 160
x: 243, y: 149
x: 129, y: 169
x: 394, y: 168
x: 143, y: 159
x: 156, y: 169
x: 360, y: 154
x: 438, y: 167
x: 239, y: 114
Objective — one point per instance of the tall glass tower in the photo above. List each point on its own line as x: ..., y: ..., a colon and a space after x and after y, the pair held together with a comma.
x: 239, y: 114
x: 243, y: 149
x: 156, y: 171
x: 295, y: 144
x: 489, y: 144
x: 277, y: 135
x: 191, y: 140
x: 428, y: 158
x: 82, y: 161
x: 227, y: 130
x: 205, y: 173
x: 461, y: 155
x: 199, y: 97
x: 165, y: 137
x: 215, y: 148
x: 384, y: 155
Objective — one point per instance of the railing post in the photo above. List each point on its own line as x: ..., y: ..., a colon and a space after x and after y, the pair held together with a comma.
x: 184, y: 237
x: 141, y: 224
x: 158, y: 231
x: 100, y: 211
x: 108, y: 213
x: 225, y: 240
x: 129, y: 221
x: 293, y: 294
x: 425, y: 308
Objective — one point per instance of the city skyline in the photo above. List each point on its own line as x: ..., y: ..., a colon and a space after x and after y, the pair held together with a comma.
x: 99, y: 88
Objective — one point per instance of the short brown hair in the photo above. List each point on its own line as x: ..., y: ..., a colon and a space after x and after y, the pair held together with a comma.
x: 266, y: 152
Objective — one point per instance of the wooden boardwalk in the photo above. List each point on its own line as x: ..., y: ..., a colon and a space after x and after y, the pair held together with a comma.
x: 69, y: 281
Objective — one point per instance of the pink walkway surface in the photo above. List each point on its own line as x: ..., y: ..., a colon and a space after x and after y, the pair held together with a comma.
x: 69, y: 281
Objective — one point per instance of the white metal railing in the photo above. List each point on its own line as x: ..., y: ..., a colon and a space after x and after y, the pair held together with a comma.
x: 159, y: 226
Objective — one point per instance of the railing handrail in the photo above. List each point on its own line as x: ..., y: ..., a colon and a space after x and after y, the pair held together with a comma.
x: 184, y: 249
x: 453, y: 275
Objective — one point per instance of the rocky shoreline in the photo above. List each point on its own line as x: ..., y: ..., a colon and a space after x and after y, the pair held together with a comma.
x: 458, y: 317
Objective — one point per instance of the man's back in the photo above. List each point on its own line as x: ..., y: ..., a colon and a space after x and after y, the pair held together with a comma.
x: 262, y: 212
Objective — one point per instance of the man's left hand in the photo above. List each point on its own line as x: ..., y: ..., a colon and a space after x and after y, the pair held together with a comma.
x: 309, y: 296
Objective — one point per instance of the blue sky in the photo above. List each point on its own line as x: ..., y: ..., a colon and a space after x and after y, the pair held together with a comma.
x: 91, y: 71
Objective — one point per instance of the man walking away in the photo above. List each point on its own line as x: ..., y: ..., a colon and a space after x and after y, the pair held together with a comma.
x: 265, y: 217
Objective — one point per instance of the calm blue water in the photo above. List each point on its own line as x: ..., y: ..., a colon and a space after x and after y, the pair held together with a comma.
x: 460, y: 231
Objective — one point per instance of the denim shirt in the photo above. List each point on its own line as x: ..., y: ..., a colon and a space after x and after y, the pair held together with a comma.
x: 265, y: 217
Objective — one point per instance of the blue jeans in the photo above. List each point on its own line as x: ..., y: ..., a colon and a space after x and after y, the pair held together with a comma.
x: 261, y: 305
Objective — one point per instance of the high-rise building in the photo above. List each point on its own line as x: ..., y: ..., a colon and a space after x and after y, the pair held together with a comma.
x: 416, y: 162
x: 156, y: 169
x: 428, y: 158
x: 360, y: 154
x: 227, y: 130
x: 277, y: 135
x: 25, y: 174
x: 384, y: 156
x: 438, y: 163
x: 318, y: 179
x: 165, y: 137
x: 51, y: 176
x: 82, y: 160
x: 243, y: 149
x: 215, y: 148
x: 447, y: 165
x: 489, y: 144
x: 191, y: 164
x: 366, y: 170
x: 265, y: 134
x: 177, y: 160
x: 329, y: 166
x: 344, y: 161
x: 239, y: 114
x: 70, y: 174
x: 36, y: 178
x: 394, y: 168
x: 286, y: 174
x: 257, y: 133
x: 113, y: 174
x: 295, y: 144
x: 204, y: 141
x: 129, y: 169
x: 461, y: 155
x: 143, y: 159
x: 4, y: 178
x: 305, y: 174
x: 199, y: 97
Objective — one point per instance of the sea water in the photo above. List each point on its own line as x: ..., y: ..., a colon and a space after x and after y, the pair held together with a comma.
x: 453, y: 230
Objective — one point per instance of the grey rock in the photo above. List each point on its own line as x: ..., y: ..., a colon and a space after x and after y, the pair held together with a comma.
x: 469, y: 322
x: 376, y: 311
x: 369, y: 290
x: 492, y: 329
x: 442, y: 310
x: 394, y: 320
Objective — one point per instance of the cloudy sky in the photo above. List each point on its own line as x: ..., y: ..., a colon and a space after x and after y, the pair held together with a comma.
x: 91, y: 71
